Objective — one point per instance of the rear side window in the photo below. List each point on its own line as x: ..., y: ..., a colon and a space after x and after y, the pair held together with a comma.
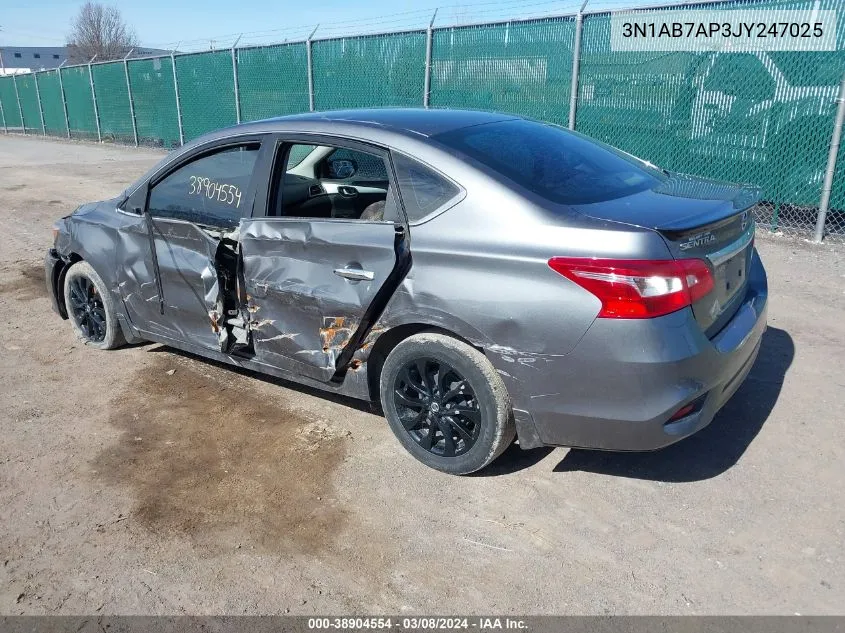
x: 423, y: 189
x: 556, y: 164
x: 211, y: 190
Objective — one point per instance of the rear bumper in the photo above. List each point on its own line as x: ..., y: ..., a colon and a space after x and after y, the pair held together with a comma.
x: 619, y: 387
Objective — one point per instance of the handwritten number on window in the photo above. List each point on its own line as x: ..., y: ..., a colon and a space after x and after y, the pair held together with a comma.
x: 227, y: 194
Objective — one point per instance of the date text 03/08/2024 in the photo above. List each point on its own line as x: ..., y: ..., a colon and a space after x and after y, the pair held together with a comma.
x: 417, y: 623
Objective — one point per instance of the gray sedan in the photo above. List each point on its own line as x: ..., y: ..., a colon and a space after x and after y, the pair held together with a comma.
x: 484, y: 277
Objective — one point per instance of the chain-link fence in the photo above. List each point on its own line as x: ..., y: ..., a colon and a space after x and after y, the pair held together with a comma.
x: 9, y: 103
x: 111, y: 91
x: 79, y: 98
x: 27, y: 91
x: 272, y: 80
x: 154, y: 101
x: 766, y: 118
x: 206, y: 92
x: 360, y: 72
x: 52, y: 103
x: 521, y: 68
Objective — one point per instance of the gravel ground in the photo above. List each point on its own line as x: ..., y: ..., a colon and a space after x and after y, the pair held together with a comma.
x: 147, y: 481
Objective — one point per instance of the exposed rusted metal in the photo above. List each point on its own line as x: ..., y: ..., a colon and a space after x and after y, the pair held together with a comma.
x: 335, y: 332
x: 215, y: 322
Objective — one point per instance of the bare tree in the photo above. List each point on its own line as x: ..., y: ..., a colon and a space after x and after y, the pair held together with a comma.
x: 99, y: 30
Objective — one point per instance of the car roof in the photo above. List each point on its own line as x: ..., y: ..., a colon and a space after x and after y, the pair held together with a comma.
x: 370, y: 123
x: 426, y: 122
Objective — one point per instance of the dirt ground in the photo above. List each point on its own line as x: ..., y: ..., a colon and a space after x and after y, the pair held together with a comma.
x: 147, y: 481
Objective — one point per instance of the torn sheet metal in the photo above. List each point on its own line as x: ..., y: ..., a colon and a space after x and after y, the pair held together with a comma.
x: 308, y: 313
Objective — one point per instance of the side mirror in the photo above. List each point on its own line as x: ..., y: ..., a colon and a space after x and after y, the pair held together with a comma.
x: 342, y: 168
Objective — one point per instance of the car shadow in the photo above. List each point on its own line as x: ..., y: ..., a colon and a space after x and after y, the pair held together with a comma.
x: 714, y: 449
x: 513, y: 460
x: 353, y: 403
x: 708, y: 453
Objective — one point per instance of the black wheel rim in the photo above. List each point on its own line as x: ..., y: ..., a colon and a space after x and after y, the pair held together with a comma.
x: 437, y: 407
x: 87, y: 308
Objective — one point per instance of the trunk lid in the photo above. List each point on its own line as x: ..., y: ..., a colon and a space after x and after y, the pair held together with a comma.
x: 697, y: 218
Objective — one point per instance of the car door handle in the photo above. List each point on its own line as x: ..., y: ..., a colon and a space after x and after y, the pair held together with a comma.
x: 356, y: 274
x: 347, y: 192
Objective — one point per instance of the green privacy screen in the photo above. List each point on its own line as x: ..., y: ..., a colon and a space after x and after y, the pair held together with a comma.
x: 154, y: 100
x: 763, y: 118
x: 273, y: 81
x: 521, y: 68
x: 80, y: 103
x: 206, y: 92
x: 9, y: 100
x: 113, y: 101
x: 28, y: 95
x: 359, y: 72
x: 52, y: 103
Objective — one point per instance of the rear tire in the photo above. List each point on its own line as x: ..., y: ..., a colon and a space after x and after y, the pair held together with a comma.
x: 445, y: 403
x: 90, y: 308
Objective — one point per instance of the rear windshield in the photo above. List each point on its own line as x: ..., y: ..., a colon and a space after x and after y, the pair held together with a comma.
x: 559, y: 165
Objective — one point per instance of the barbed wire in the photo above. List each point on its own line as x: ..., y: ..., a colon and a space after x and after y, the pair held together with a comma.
x: 447, y: 15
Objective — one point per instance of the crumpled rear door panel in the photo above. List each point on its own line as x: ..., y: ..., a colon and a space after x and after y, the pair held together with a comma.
x: 302, y: 313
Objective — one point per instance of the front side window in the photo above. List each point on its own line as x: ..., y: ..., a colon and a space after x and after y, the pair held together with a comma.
x: 556, y: 164
x: 210, y: 191
x: 299, y: 153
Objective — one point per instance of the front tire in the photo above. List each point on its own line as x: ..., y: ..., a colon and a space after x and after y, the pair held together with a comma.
x: 445, y: 403
x: 90, y: 308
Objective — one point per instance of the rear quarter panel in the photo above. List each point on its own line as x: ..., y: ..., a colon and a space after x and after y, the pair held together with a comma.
x: 480, y: 271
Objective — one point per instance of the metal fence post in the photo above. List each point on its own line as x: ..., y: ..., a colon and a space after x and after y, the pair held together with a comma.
x: 40, y: 107
x: 429, y: 37
x: 576, y: 64
x: 178, y: 103
x: 64, y: 98
x: 235, y: 77
x: 3, y: 116
x: 824, y: 203
x: 310, y: 70
x: 18, y: 99
x: 129, y: 92
x: 94, y: 97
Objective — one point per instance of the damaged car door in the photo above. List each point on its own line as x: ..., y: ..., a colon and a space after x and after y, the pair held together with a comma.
x: 318, y: 271
x: 179, y: 278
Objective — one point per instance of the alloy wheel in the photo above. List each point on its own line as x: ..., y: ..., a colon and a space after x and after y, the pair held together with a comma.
x: 87, y: 309
x: 437, y: 407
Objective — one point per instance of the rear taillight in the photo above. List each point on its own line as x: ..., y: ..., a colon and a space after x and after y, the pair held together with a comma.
x: 638, y: 288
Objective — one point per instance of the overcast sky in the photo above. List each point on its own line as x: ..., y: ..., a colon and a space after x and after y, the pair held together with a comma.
x: 201, y: 24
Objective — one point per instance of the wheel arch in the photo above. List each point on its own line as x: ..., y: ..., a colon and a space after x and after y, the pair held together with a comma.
x: 58, y: 273
x: 390, y: 338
